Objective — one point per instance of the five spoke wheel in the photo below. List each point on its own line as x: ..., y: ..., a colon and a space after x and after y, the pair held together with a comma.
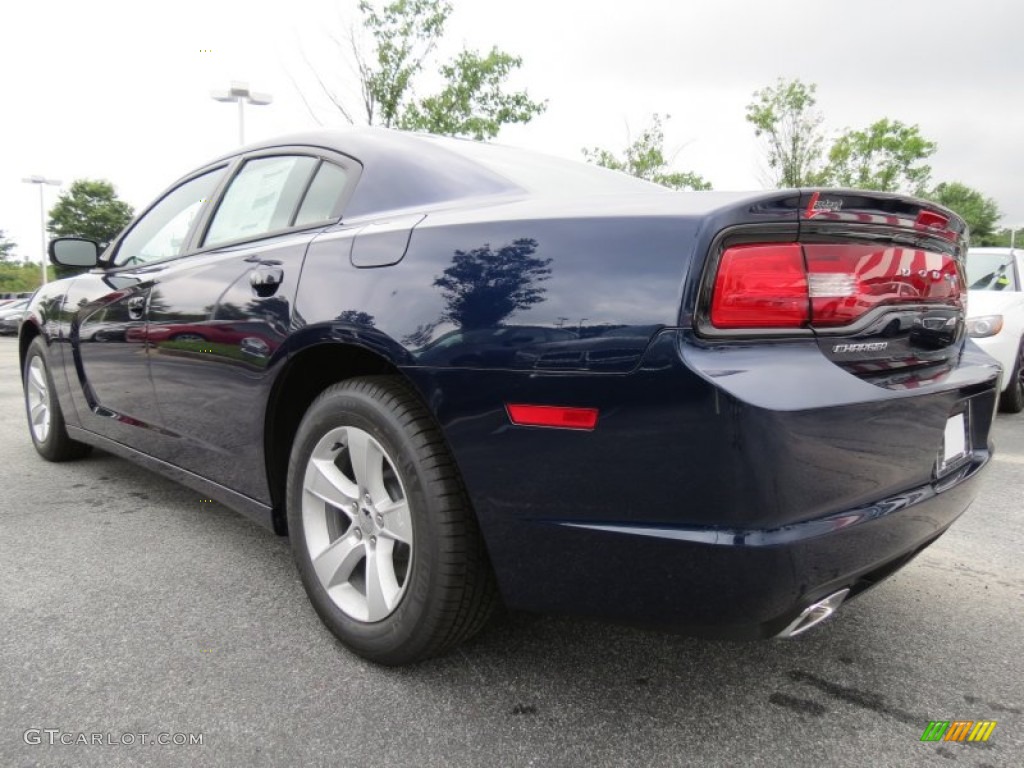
x: 387, y: 546
x: 357, y: 523
x: 45, y: 418
x: 38, y: 395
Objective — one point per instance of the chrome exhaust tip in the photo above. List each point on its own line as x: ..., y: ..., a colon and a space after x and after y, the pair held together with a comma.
x: 814, y: 614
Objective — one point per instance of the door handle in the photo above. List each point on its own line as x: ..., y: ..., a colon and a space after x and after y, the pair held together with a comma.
x: 265, y: 280
x: 136, y: 307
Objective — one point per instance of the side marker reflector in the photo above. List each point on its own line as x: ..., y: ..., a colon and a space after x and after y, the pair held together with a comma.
x: 552, y: 416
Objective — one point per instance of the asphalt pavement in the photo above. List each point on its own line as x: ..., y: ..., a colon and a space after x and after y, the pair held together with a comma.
x: 129, y: 606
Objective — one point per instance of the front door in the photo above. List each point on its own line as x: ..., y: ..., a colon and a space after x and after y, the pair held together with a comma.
x: 106, y: 310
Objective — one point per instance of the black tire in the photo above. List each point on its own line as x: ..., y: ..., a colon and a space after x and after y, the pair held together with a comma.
x: 1012, y: 399
x: 449, y: 588
x: 56, y: 446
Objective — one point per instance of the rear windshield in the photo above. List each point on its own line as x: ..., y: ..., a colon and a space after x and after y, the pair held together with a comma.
x: 543, y: 174
x: 991, y: 272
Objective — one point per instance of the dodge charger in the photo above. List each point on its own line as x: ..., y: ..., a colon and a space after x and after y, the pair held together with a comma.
x: 461, y: 375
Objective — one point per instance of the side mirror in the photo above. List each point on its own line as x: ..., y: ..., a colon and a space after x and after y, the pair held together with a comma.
x: 74, y: 252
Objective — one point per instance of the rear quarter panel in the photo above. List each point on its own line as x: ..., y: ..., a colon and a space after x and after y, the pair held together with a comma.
x: 604, y: 286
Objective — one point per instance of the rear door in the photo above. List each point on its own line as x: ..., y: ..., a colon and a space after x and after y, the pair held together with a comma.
x: 217, y: 320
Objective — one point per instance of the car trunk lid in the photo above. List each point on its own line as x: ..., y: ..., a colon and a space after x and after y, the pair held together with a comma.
x: 886, y: 283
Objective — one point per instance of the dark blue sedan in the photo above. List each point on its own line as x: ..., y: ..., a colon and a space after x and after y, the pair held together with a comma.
x: 457, y: 374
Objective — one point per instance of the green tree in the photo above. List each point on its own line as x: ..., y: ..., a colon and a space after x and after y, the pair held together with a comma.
x: 1003, y: 239
x: 888, y: 156
x: 784, y: 117
x: 90, y: 209
x: 7, y: 246
x: 473, y: 102
x: 645, y: 159
x: 18, y: 276
x: 981, y: 213
x: 405, y: 34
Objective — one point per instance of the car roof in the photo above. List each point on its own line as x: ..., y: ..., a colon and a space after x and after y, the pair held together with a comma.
x: 400, y: 169
x: 403, y: 170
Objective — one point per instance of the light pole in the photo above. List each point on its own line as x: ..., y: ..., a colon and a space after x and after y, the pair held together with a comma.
x: 42, y: 181
x: 240, y: 93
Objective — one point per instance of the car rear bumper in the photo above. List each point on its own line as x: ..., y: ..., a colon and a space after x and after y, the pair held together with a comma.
x: 723, y: 490
x: 744, y: 583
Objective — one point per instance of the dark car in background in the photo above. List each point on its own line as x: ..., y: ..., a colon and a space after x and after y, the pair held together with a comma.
x: 9, y: 296
x: 456, y: 373
x: 8, y: 300
x: 11, y: 315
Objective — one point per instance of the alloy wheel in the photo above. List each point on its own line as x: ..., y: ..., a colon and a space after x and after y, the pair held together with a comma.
x: 357, y: 524
x: 38, y: 394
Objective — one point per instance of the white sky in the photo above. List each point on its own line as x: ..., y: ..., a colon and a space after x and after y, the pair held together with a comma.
x: 120, y: 90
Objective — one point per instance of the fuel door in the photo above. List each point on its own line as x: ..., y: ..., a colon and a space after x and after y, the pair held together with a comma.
x: 384, y: 243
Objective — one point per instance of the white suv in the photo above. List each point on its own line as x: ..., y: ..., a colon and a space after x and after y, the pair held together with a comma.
x: 995, y: 305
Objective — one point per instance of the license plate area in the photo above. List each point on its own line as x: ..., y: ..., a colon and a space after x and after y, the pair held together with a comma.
x: 955, y: 451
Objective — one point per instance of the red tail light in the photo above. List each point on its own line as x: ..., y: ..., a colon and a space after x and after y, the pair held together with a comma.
x: 760, y: 286
x: 846, y: 281
x: 793, y: 285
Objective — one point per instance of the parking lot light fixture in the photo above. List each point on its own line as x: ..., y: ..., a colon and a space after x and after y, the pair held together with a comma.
x: 240, y: 94
x: 42, y: 181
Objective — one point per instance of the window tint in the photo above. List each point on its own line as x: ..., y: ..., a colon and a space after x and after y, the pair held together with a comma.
x: 261, y: 198
x: 161, y: 233
x: 321, y: 201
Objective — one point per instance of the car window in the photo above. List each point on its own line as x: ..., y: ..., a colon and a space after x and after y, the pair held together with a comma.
x: 261, y: 198
x: 162, y: 231
x: 321, y: 200
x: 991, y: 272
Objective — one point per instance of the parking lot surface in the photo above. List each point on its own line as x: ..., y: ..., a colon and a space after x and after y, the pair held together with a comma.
x: 129, y: 606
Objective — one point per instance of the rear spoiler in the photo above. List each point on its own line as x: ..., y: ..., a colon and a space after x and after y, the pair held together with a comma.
x: 883, y: 209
